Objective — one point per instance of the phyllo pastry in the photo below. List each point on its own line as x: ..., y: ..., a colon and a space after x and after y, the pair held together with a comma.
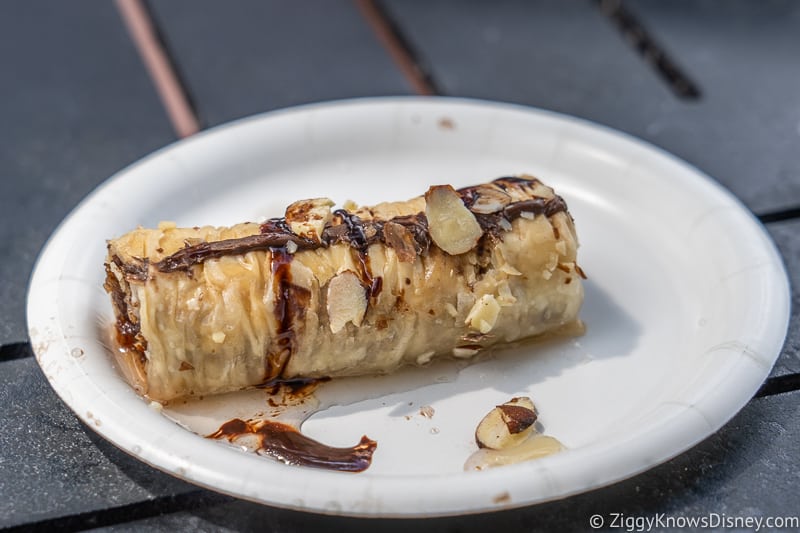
x: 324, y: 293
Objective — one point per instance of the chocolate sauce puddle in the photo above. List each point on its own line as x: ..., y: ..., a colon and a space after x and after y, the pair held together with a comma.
x: 286, y: 444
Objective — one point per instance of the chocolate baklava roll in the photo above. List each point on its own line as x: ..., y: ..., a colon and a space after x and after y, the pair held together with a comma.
x: 324, y: 293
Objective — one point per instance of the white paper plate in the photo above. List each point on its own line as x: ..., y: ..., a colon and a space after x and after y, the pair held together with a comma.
x: 687, y: 304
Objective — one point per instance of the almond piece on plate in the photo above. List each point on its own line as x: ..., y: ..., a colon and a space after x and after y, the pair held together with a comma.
x: 507, y: 425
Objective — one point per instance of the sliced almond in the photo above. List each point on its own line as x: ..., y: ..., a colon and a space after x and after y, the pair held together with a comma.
x: 347, y: 300
x: 510, y: 270
x: 398, y: 237
x: 307, y: 218
x: 465, y: 352
x: 507, y: 425
x: 452, y: 226
x: 483, y: 314
x: 523, y: 190
x: 489, y: 199
x: 504, y: 295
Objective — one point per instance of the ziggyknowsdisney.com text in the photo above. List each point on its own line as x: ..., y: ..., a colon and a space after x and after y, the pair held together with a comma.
x: 711, y: 520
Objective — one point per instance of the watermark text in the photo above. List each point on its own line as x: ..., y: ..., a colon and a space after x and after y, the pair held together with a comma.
x: 658, y: 521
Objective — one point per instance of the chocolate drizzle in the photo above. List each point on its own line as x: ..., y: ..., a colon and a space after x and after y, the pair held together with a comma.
x: 355, y: 234
x: 128, y: 336
x: 286, y: 444
x: 414, y: 238
x: 275, y: 233
x: 494, y: 224
x: 537, y: 206
x: 291, y: 302
x: 190, y: 255
x: 359, y: 235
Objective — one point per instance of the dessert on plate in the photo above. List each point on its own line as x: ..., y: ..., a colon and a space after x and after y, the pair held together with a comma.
x: 324, y: 292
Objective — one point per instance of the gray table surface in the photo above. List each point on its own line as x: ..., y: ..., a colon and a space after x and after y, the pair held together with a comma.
x: 77, y: 105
